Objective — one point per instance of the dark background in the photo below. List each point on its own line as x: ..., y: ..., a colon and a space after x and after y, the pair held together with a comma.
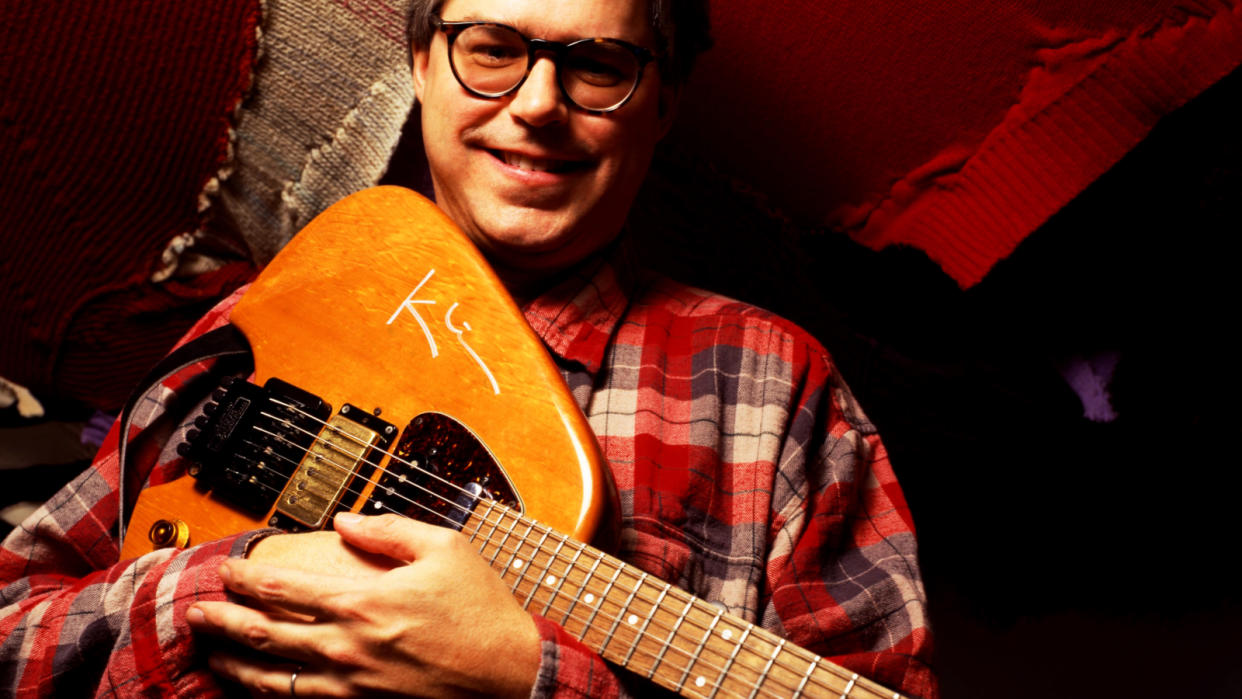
x: 1063, y: 557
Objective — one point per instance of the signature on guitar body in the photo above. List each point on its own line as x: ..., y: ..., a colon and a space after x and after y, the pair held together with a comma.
x: 410, y: 304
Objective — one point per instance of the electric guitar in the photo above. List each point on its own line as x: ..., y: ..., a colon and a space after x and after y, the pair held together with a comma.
x: 470, y: 426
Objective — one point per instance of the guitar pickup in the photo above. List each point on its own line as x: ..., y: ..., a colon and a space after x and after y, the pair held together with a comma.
x: 337, y: 466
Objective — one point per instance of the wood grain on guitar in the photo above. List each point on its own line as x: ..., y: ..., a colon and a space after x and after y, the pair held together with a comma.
x: 381, y: 302
x: 381, y: 299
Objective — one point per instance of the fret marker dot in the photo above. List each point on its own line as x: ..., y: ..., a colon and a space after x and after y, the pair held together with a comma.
x: 589, y: 598
x: 633, y: 619
x: 551, y: 580
x: 517, y: 563
x: 726, y: 634
x: 700, y: 681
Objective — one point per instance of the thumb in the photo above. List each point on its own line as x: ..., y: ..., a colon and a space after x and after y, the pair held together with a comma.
x: 390, y: 535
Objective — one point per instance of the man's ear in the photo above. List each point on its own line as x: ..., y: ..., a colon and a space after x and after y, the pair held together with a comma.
x: 418, y: 65
x: 670, y: 97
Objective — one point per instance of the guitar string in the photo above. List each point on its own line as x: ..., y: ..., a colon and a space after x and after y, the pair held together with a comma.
x: 316, y: 439
x: 564, y: 603
x: 763, y: 677
x: 547, y: 531
x: 666, y: 645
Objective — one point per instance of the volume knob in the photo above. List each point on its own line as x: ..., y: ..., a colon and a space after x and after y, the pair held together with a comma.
x: 169, y: 532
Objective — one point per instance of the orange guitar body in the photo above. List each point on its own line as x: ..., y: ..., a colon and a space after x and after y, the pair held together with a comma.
x: 382, y: 303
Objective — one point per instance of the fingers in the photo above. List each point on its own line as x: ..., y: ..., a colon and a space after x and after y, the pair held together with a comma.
x: 275, y: 679
x: 390, y: 535
x: 254, y: 629
x: 292, y: 590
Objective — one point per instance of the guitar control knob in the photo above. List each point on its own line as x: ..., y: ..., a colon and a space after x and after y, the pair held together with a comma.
x: 169, y: 532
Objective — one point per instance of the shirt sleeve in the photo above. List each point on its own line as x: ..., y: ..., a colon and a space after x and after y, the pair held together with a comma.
x: 75, y: 620
x: 843, y: 569
x: 569, y: 669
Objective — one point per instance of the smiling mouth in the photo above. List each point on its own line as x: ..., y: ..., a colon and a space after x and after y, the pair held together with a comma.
x: 523, y: 162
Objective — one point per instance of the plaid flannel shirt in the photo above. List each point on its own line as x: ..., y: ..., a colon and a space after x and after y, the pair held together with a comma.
x: 747, y: 476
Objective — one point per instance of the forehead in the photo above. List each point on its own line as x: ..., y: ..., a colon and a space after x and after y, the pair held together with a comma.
x: 560, y: 19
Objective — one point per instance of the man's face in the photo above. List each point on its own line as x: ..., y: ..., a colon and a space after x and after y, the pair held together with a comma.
x: 535, y: 182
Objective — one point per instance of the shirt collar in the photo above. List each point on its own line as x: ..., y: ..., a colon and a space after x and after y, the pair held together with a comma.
x: 577, y: 316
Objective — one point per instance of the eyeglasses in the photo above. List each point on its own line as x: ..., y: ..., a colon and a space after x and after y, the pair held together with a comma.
x: 492, y: 60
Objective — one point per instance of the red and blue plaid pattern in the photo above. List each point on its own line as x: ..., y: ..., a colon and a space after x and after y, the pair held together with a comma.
x: 748, y: 475
x: 746, y: 471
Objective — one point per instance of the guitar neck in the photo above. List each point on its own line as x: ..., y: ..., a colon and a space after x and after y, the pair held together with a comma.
x: 647, y: 626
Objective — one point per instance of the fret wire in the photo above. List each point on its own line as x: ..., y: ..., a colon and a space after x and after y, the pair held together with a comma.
x: 716, y: 668
x: 586, y: 580
x: 806, y: 676
x: 601, y: 558
x: 732, y: 656
x: 516, y: 557
x: 763, y: 676
x: 569, y: 566
x: 698, y: 651
x: 602, y: 598
x: 501, y: 544
x: 701, y: 661
x: 495, y: 524
x: 482, y: 520
x: 704, y: 661
x: 477, y: 523
x: 642, y: 631
x: 543, y: 574
x: 849, y: 687
x: 672, y: 633
x: 495, y: 536
x: 621, y: 614
x: 529, y: 563
x: 751, y: 655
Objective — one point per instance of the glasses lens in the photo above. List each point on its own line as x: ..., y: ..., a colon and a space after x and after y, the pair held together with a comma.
x: 489, y: 59
x: 599, y: 74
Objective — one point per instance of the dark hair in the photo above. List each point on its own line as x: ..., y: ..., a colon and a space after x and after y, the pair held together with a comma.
x: 681, y: 27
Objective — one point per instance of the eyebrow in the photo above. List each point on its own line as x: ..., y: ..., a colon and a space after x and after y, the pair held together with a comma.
x: 525, y: 31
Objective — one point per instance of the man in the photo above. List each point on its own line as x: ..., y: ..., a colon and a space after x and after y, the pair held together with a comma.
x: 746, y: 471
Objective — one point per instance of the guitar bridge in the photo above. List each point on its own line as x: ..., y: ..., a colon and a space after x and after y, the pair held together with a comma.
x: 276, y: 446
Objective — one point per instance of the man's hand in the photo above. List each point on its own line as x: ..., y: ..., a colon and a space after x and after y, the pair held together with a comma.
x: 443, y: 624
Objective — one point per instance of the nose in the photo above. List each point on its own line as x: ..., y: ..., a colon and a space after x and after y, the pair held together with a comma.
x: 539, y: 101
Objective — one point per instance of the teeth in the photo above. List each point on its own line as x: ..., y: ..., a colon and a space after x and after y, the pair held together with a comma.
x: 524, y: 163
